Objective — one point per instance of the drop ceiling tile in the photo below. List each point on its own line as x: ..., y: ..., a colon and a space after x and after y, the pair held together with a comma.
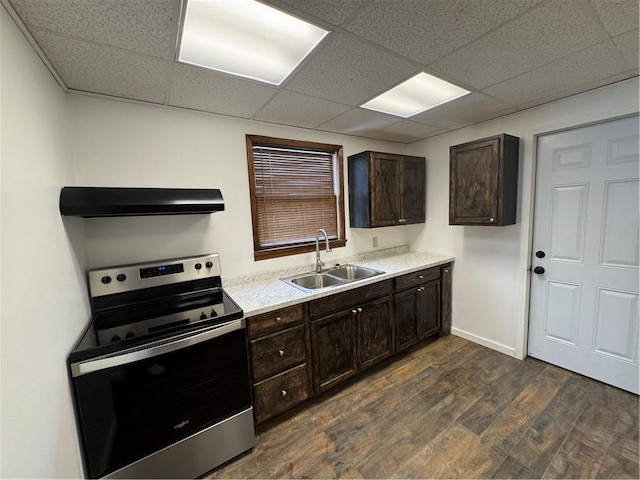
x: 332, y: 11
x: 575, y: 91
x: 471, y: 108
x: 358, y: 120
x: 567, y: 73
x: 350, y: 71
x: 550, y: 31
x: 201, y: 89
x: 427, y: 30
x: 627, y: 44
x: 299, y: 110
x: 142, y: 26
x: 90, y: 67
x: 617, y: 16
x: 406, y: 131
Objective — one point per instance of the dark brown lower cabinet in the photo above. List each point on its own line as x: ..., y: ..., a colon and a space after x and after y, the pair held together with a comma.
x: 333, y: 341
x: 429, y: 309
x: 417, y: 314
x: 375, y: 332
x: 406, y: 318
x: 278, y: 350
x: 350, y: 341
x: 302, y: 350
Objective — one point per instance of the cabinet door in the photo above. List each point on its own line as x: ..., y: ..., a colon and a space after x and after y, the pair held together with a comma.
x: 406, y: 318
x: 333, y: 342
x: 429, y: 309
x: 474, y: 179
x: 375, y: 332
x: 385, y: 194
x: 412, y: 181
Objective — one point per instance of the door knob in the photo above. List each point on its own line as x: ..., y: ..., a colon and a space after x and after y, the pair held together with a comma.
x: 538, y: 270
x: 540, y: 254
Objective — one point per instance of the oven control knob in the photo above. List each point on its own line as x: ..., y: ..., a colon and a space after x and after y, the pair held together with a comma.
x: 115, y: 338
x: 203, y: 316
x: 198, y: 266
x: 209, y: 264
x: 121, y: 277
x: 129, y: 335
x: 213, y: 313
x: 106, y: 279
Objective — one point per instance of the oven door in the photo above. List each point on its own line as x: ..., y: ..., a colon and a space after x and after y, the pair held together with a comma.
x: 139, y: 401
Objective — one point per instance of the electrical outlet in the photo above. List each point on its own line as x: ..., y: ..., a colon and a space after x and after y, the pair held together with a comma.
x: 375, y: 241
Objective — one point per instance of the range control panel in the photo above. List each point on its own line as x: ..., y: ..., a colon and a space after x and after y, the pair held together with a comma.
x: 125, y: 278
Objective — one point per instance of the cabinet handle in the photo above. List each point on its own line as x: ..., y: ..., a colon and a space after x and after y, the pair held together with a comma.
x: 420, y: 277
x: 281, y: 352
x: 278, y: 319
x: 284, y: 393
x: 359, y: 310
x: 492, y: 220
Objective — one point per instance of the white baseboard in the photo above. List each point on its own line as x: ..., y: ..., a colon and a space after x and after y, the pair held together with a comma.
x: 485, y: 342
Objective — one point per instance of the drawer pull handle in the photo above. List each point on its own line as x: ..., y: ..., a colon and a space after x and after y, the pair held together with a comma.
x: 281, y: 352
x: 420, y: 277
x: 284, y: 393
x: 354, y: 311
x: 278, y: 319
x: 359, y: 310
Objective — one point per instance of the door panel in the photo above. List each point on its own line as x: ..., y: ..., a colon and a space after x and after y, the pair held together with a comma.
x: 385, y: 198
x: 584, y: 298
x: 568, y: 222
x: 620, y: 225
x: 563, y: 311
x: 616, y: 324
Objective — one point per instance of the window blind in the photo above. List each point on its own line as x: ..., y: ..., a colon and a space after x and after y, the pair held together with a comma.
x: 295, y: 195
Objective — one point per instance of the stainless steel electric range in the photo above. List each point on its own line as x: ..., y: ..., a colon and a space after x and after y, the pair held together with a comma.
x: 161, y: 375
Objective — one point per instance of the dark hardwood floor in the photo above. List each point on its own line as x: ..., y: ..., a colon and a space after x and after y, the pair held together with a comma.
x: 453, y: 409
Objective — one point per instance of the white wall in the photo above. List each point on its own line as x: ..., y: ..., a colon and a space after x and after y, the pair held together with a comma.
x: 490, y: 276
x: 118, y: 143
x: 43, y: 301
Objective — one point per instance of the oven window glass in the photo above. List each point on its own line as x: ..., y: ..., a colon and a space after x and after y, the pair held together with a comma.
x: 130, y: 411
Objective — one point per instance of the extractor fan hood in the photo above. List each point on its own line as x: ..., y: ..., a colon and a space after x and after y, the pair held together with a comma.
x: 123, y: 201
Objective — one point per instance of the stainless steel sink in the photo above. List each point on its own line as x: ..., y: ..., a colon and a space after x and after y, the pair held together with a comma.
x: 314, y: 281
x: 311, y: 282
x: 353, y: 272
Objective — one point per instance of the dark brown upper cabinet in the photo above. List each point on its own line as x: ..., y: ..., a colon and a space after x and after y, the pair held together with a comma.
x: 386, y: 189
x: 484, y: 181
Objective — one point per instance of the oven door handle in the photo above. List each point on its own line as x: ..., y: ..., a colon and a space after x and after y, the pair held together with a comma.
x: 153, y: 349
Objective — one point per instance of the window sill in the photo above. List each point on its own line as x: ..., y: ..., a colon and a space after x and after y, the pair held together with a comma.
x: 295, y: 249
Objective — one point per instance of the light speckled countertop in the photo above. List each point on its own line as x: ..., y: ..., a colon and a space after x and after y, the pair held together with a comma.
x: 265, y: 292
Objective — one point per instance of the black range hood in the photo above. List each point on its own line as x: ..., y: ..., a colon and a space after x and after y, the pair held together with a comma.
x: 123, y: 201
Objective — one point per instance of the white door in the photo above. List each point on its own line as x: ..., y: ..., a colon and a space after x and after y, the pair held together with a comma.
x: 584, y: 265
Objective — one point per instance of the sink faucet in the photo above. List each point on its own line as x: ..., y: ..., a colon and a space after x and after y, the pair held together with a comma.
x: 319, y: 264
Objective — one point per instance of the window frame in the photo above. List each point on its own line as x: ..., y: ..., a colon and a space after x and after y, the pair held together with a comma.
x: 262, y: 253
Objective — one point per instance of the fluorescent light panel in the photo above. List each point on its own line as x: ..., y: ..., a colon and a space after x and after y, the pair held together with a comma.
x: 415, y: 95
x: 245, y: 38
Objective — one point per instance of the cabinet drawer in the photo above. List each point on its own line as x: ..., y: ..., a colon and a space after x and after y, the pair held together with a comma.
x: 274, y: 321
x: 281, y: 392
x: 348, y: 299
x: 277, y: 352
x: 417, y: 278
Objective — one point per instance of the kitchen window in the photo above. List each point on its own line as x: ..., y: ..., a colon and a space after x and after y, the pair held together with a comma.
x: 296, y: 188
